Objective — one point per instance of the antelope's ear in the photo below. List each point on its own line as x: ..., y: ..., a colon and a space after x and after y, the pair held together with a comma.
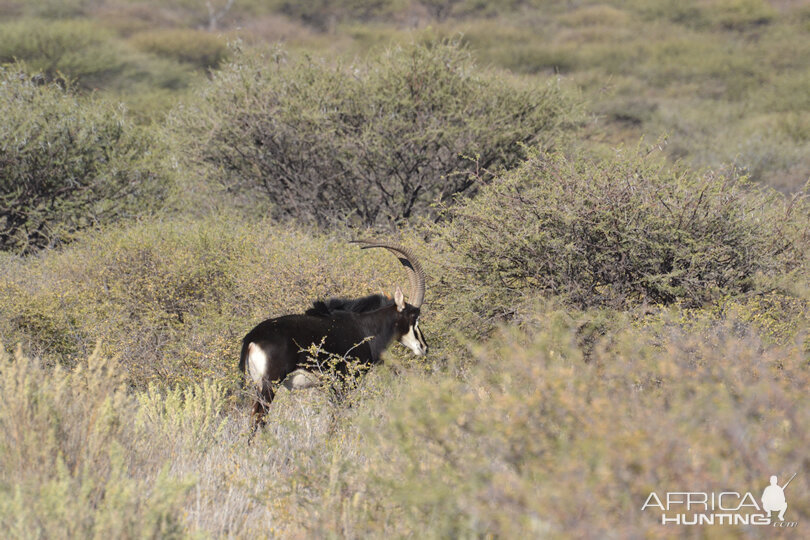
x: 399, y: 299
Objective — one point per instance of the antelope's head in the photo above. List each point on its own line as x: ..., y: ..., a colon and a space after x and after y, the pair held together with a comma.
x: 406, y: 327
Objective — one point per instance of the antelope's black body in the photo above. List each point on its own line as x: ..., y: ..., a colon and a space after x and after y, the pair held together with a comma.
x: 287, y: 339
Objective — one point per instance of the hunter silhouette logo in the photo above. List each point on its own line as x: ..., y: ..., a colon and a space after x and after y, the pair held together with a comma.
x: 773, y: 498
x: 722, y: 508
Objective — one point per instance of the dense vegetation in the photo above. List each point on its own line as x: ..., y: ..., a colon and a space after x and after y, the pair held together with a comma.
x: 375, y: 143
x: 68, y: 163
x: 626, y: 230
x: 606, y: 317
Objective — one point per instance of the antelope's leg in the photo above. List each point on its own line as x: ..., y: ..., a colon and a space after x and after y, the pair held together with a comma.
x: 263, y: 399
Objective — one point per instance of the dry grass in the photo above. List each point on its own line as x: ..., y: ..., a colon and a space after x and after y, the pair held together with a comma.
x: 531, y: 440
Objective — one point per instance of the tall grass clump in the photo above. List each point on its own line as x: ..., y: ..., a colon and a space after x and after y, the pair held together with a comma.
x: 72, y: 462
x: 376, y: 141
x: 621, y: 232
x: 68, y: 162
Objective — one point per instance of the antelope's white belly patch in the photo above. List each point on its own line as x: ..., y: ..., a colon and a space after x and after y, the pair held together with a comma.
x: 300, y: 379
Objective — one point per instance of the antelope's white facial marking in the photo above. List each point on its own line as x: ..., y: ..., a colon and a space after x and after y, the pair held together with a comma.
x: 414, y: 340
x: 300, y: 379
x: 257, y: 363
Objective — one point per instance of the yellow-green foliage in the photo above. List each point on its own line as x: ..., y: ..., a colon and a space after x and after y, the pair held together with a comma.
x: 534, y: 440
x: 778, y: 317
x: 173, y: 298
x: 373, y: 142
x: 89, y: 56
x: 188, y: 415
x: 121, y: 415
x: 69, y: 456
x: 55, y: 8
x: 707, y: 73
x: 69, y: 162
x: 201, y: 49
x: 607, y: 405
x: 73, y: 49
x: 619, y: 232
x: 715, y: 14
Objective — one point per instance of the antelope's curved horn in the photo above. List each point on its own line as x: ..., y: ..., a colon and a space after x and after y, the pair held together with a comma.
x: 415, y: 273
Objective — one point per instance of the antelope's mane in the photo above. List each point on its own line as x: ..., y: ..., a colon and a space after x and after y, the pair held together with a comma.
x: 372, y: 302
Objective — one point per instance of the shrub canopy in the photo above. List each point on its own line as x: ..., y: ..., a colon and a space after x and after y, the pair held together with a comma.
x: 73, y: 50
x: 67, y: 163
x: 378, y: 141
x: 624, y: 231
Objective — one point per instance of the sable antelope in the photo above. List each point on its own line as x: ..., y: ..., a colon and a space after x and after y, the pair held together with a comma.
x: 277, y: 350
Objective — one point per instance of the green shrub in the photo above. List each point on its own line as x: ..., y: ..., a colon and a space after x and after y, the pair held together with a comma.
x: 324, y: 14
x: 597, y: 15
x: 139, y: 290
x: 136, y: 15
x: 721, y: 14
x: 87, y: 56
x: 50, y: 325
x: 445, y: 9
x: 202, y: 49
x: 58, y: 9
x: 740, y: 14
x: 620, y: 232
x: 68, y: 163
x: 375, y: 142
x: 72, y: 50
